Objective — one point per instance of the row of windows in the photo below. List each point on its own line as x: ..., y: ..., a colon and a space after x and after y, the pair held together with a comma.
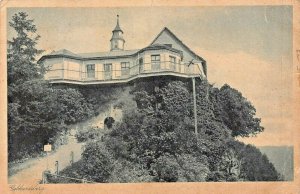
x: 156, y: 59
x: 90, y: 68
x: 126, y: 65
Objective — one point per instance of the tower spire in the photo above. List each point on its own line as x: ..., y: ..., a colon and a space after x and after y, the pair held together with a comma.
x: 117, y: 28
x: 117, y: 41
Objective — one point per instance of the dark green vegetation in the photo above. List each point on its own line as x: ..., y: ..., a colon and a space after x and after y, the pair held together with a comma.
x: 155, y: 140
x: 38, y: 113
x: 283, y: 159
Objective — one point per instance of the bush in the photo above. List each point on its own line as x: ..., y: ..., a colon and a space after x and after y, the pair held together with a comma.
x: 156, y: 140
x: 98, y: 163
x: 89, y: 133
x: 165, y: 169
x: 129, y: 172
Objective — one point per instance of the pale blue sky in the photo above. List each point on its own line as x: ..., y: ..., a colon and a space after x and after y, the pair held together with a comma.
x: 249, y: 47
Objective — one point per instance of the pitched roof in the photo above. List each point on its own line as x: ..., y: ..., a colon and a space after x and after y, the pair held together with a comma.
x: 157, y: 46
x: 87, y: 56
x: 165, y: 29
x: 108, y: 54
x: 64, y: 52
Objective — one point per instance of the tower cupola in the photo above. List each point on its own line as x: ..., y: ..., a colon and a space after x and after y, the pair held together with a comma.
x: 117, y: 41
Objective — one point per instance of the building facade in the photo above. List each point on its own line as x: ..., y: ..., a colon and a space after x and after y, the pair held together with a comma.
x: 165, y: 56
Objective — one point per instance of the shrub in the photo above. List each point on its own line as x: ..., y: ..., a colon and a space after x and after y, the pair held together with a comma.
x: 98, y: 163
x: 89, y: 133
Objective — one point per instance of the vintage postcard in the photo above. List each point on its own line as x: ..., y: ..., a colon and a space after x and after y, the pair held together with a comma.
x: 150, y: 97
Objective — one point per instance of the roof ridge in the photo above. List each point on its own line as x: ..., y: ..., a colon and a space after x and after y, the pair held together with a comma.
x: 63, y: 52
x: 178, y: 40
x: 110, y: 51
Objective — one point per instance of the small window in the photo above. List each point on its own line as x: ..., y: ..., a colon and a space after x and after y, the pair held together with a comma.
x: 141, y: 64
x: 172, y: 59
x: 155, y: 58
x: 140, y: 61
x: 90, y: 69
x: 125, y: 68
x: 124, y: 65
x: 107, y: 67
x: 155, y: 62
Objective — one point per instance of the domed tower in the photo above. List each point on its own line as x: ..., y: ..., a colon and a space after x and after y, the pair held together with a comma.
x: 117, y: 41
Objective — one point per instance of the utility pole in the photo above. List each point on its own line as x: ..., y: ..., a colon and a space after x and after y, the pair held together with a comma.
x: 194, y: 95
x: 195, y: 106
x: 195, y: 102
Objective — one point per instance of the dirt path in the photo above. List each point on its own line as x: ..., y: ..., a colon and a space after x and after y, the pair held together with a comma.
x: 30, y: 172
x: 32, y: 169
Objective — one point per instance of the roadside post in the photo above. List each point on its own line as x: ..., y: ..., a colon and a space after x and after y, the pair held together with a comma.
x: 47, y: 148
x: 56, y: 166
x: 72, y: 158
x: 44, y: 177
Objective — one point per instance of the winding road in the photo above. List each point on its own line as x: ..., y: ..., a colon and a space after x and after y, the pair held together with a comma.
x: 31, y: 170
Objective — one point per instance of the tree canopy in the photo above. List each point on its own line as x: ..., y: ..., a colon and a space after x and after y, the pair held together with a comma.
x: 236, y: 112
x: 157, y: 140
x: 22, y: 51
x: 37, y: 111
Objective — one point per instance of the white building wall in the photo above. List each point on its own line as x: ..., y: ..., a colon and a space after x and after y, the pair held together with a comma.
x: 55, y: 66
x: 99, y: 72
x: 76, y: 69
x: 117, y: 67
x: 72, y: 69
x: 147, y: 62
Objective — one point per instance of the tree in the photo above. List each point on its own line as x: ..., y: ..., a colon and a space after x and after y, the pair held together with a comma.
x: 242, y: 162
x: 235, y: 111
x: 98, y: 161
x: 161, y: 131
x: 22, y: 68
x: 37, y: 111
x: 22, y: 51
x: 256, y: 166
x: 156, y: 137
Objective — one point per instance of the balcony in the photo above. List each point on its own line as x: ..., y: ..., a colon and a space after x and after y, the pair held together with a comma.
x: 111, y: 76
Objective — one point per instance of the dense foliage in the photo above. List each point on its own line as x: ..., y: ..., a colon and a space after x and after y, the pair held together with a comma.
x: 156, y: 138
x: 235, y: 111
x: 37, y: 112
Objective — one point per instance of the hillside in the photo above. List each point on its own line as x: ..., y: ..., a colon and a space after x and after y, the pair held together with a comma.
x: 282, y: 158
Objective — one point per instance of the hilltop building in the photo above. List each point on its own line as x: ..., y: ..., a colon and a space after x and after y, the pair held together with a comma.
x: 165, y: 56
